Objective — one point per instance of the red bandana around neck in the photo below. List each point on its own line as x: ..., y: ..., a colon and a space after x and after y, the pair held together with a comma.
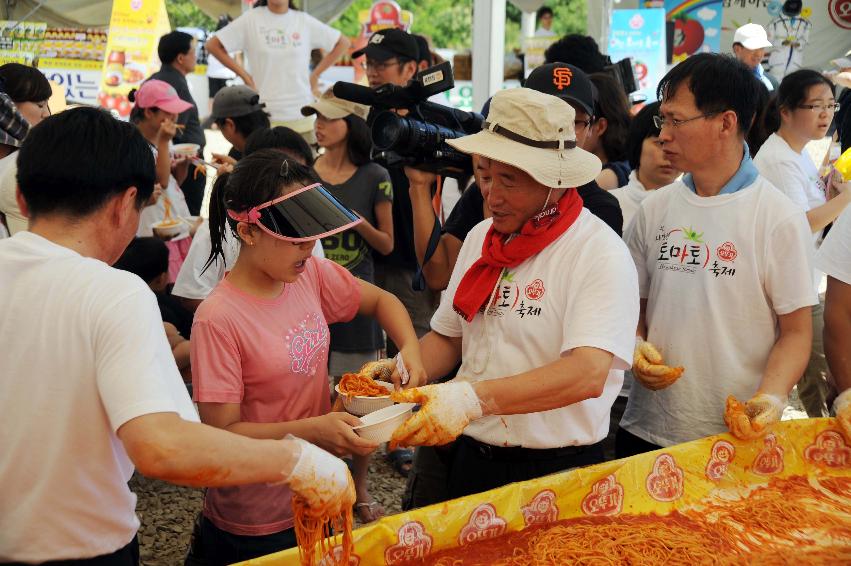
x: 498, y: 252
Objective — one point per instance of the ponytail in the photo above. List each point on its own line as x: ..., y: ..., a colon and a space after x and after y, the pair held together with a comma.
x: 771, y: 119
x: 218, y: 221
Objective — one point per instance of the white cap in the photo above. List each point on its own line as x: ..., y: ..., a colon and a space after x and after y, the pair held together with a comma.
x: 751, y: 36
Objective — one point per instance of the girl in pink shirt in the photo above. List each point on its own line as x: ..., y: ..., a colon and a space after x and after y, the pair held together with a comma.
x: 260, y: 340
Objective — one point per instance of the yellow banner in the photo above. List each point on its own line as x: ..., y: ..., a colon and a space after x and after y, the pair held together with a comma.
x: 660, y: 482
x: 131, y: 50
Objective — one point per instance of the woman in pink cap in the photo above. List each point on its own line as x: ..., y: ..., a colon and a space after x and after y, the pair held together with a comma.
x: 155, y: 114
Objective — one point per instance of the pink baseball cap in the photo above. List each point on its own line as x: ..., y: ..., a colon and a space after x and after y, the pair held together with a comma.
x: 159, y: 94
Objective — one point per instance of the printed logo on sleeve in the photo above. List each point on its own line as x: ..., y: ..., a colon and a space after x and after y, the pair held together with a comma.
x: 483, y: 524
x: 829, y: 450
x: 541, y: 510
x: 769, y: 461
x: 413, y: 543
x: 665, y: 482
x: 306, y: 343
x: 605, y: 497
x: 720, y: 458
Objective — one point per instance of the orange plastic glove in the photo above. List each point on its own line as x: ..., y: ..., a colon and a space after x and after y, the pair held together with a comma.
x: 753, y: 419
x: 322, y: 479
x: 649, y: 368
x: 380, y: 370
x: 842, y: 409
x: 447, y: 408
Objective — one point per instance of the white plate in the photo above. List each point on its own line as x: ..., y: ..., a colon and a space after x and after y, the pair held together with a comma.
x: 379, y: 426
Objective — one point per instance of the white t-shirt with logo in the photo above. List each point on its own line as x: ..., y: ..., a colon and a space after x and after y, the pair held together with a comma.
x: 716, y: 273
x: 193, y: 281
x: 84, y: 351
x: 278, y: 48
x: 834, y: 255
x: 579, y: 291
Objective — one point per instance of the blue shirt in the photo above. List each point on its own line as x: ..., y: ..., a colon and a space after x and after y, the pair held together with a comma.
x: 745, y: 176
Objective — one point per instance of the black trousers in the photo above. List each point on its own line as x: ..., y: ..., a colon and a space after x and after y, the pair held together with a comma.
x: 126, y: 556
x: 221, y: 547
x: 627, y: 444
x: 478, y: 467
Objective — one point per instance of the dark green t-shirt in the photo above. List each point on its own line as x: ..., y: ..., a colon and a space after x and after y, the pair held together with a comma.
x: 369, y: 186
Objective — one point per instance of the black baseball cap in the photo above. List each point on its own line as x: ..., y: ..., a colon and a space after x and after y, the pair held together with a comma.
x: 234, y: 101
x: 565, y: 81
x: 388, y: 43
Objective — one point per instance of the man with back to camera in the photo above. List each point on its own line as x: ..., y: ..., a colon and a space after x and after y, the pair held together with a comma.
x: 176, y: 51
x: 88, y: 377
x: 749, y: 44
x: 724, y: 272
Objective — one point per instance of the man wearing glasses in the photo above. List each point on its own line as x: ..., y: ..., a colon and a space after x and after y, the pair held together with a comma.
x: 724, y: 263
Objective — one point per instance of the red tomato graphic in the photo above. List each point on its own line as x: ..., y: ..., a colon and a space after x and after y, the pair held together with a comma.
x: 688, y: 36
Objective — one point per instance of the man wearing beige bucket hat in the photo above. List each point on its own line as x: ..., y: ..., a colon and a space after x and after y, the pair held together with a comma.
x: 539, y: 311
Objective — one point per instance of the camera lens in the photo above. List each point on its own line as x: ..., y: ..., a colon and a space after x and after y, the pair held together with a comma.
x: 388, y: 130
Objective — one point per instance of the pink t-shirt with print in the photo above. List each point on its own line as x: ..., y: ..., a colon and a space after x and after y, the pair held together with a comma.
x: 271, y: 357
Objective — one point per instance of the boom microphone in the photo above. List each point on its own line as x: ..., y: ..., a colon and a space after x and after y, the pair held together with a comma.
x: 354, y: 93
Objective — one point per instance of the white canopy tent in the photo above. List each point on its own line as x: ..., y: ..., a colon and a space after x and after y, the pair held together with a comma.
x: 827, y: 41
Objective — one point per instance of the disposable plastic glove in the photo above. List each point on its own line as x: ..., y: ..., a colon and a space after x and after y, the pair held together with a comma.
x: 323, y: 480
x: 842, y: 408
x: 447, y: 408
x: 753, y: 419
x: 649, y: 368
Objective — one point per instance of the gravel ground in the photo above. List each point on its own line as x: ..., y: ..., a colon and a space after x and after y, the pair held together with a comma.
x: 168, y: 511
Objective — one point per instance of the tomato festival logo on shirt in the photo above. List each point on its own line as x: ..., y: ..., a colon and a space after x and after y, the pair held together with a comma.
x: 829, y: 450
x: 306, y: 341
x: 535, y: 290
x: 727, y: 252
x: 414, y: 543
x: 335, y: 557
x: 483, y: 524
x: 769, y: 461
x: 605, y: 497
x: 665, y: 482
x: 682, y: 249
x: 506, y: 296
x: 541, y: 510
x: 722, y: 455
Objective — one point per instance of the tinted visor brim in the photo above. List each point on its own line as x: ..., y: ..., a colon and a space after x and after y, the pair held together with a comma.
x: 307, y: 215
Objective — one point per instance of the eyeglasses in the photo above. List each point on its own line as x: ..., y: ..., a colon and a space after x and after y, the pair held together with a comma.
x: 579, y: 124
x: 661, y: 122
x: 819, y: 108
x: 378, y: 66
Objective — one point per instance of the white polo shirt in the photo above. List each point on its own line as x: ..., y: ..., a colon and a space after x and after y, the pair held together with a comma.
x: 84, y: 351
x: 716, y: 273
x: 579, y: 291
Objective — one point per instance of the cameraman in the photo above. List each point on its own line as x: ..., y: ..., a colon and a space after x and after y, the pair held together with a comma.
x: 392, y: 57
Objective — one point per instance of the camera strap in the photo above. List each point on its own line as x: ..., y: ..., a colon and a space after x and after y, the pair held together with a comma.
x: 418, y: 283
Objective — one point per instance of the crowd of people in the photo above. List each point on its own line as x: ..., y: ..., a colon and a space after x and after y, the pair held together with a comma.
x: 607, y: 277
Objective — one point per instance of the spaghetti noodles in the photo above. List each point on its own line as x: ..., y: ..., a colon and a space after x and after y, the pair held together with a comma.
x: 793, y: 520
x: 315, y: 528
x: 356, y: 384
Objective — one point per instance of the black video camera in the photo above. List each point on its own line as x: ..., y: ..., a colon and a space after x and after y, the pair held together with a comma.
x: 417, y: 139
